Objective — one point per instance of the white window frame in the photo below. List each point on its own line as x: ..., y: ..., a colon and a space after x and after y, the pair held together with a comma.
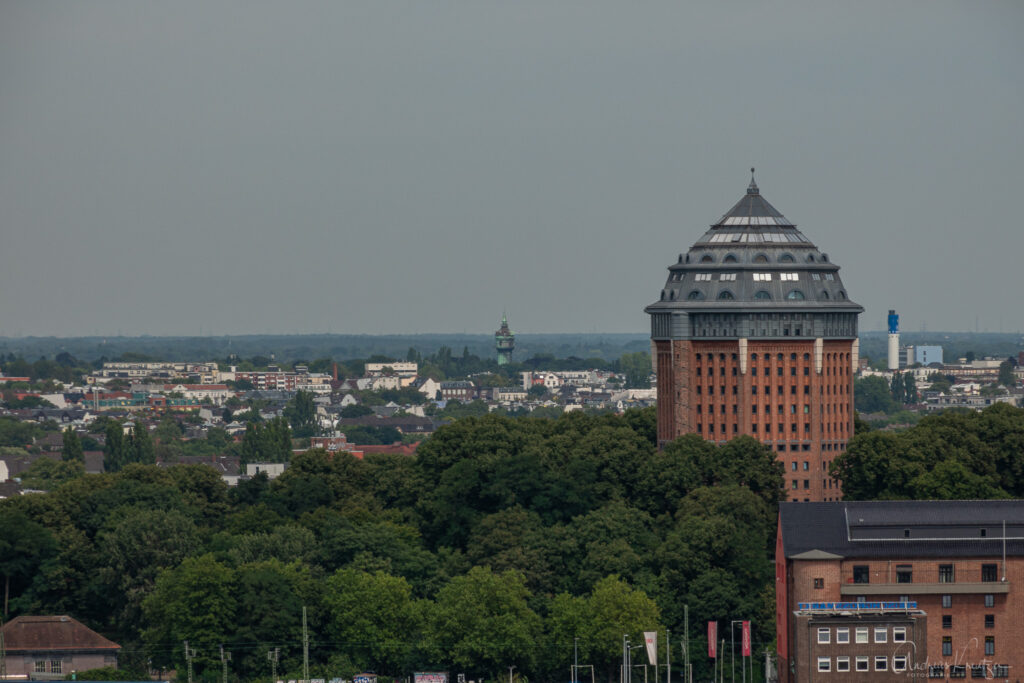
x: 881, y: 663
x: 789, y: 277
x: 824, y: 664
x: 762, y: 277
x: 899, y: 634
x: 842, y: 664
x: 843, y: 634
x: 883, y: 632
x: 862, y: 634
x: 899, y: 663
x: 702, y: 277
x: 815, y: 276
x: 727, y: 277
x: 824, y: 635
x: 863, y: 664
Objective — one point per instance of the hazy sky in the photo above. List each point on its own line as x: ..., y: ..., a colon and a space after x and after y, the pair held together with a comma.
x: 375, y: 166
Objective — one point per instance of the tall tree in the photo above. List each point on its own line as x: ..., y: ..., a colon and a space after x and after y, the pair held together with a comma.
x: 115, y: 448
x: 909, y: 388
x: 1006, y: 376
x: 72, y: 449
x: 301, y: 413
x: 141, y: 445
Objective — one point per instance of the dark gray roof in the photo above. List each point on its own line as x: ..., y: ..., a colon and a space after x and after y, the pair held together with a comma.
x: 754, y: 259
x: 903, y: 529
x: 753, y: 205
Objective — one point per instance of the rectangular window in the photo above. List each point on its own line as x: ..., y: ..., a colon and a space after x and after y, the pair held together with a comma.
x: 989, y: 572
x: 899, y: 663
x: 789, y: 277
x: 946, y: 573
x: 936, y: 671
x: 860, y: 573
x: 990, y: 645
x: 881, y: 634
x: 762, y: 277
x: 815, y: 276
x: 958, y: 671
x: 819, y: 583
x: 807, y: 483
x: 40, y: 666
x: 947, y: 621
x: 947, y: 646
x: 947, y: 601
x: 843, y: 635
x: 978, y: 671
x: 55, y: 667
x: 1000, y: 671
x: 842, y: 663
x: 904, y: 573
x: 702, y: 277
x: 990, y: 621
x: 727, y: 277
x: 862, y: 663
x: 830, y: 276
x: 990, y: 600
x: 881, y: 663
x: 862, y: 635
x: 824, y: 664
x: 823, y: 636
x: 899, y: 633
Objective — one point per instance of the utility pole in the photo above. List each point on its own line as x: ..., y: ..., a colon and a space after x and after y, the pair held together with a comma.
x: 190, y: 653
x: 305, y: 648
x: 3, y: 650
x: 668, y: 657
x: 575, y: 658
x: 273, y: 656
x: 225, y: 657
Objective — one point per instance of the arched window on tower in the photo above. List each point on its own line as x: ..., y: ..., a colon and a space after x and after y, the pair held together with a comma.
x: 762, y: 295
x: 706, y: 258
x: 761, y: 258
x: 726, y: 296
x: 824, y: 295
x: 796, y: 295
x: 730, y: 258
x: 695, y: 295
x: 786, y: 258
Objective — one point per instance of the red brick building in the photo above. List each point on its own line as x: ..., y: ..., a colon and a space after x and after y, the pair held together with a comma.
x: 754, y: 334
x: 960, y: 562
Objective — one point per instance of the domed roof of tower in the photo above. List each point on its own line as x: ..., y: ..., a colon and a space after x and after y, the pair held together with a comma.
x: 753, y: 209
x: 755, y: 258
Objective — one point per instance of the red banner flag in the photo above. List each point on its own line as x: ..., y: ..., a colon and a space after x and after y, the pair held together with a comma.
x: 712, y: 639
x: 746, y: 638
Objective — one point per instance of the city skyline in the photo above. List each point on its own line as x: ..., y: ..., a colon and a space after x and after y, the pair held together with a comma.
x: 257, y: 168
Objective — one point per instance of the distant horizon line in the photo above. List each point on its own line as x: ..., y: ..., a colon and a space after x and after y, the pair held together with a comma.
x: 429, y: 334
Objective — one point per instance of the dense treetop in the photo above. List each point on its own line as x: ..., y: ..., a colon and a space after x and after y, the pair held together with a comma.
x: 498, y: 544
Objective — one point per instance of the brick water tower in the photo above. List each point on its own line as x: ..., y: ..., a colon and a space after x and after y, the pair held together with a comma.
x: 754, y: 334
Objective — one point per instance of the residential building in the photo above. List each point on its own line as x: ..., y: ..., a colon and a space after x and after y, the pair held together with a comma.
x: 753, y: 333
x: 458, y: 391
x: 960, y: 563
x: 401, y: 368
x: 52, y: 647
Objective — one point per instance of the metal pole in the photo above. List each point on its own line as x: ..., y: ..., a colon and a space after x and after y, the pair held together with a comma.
x: 732, y: 646
x: 668, y: 657
x: 575, y: 659
x: 189, y: 654
x: 305, y: 647
x: 512, y: 666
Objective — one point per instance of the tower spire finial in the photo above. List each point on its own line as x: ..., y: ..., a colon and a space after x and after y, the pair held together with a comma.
x: 752, y: 188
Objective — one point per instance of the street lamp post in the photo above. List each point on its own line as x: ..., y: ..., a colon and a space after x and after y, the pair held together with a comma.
x: 510, y: 667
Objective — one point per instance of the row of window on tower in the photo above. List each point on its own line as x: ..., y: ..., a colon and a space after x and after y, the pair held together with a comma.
x: 757, y: 277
